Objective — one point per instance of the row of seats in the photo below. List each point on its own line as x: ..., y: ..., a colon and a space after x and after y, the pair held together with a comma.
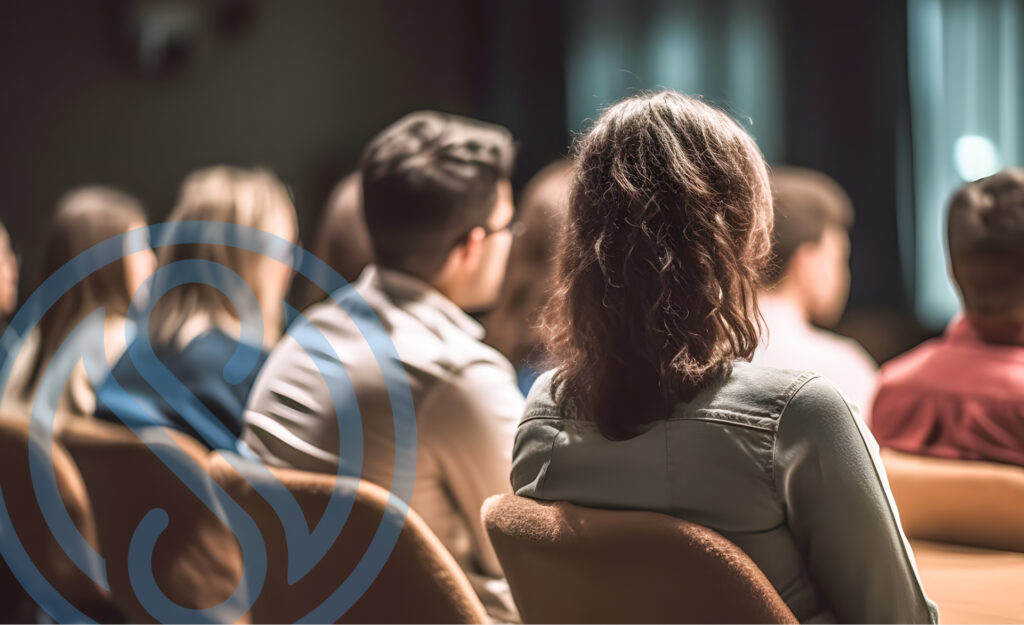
x: 110, y: 479
x: 564, y: 563
x: 965, y: 520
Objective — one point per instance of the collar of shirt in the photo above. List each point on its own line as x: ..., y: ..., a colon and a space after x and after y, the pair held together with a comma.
x: 403, y: 286
x: 961, y: 330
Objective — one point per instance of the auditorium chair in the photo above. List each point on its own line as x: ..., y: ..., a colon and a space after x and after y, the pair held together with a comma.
x: 196, y: 560
x: 419, y: 583
x: 570, y: 564
x: 34, y: 534
x: 964, y: 502
x: 965, y: 522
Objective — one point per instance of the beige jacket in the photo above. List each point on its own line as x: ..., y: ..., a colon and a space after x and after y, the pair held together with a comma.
x: 466, y: 401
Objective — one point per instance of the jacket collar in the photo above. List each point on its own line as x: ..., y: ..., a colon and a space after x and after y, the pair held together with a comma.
x: 402, y: 286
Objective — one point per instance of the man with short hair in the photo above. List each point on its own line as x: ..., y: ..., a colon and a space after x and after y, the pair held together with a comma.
x: 808, y: 282
x: 437, y: 201
x: 962, y: 395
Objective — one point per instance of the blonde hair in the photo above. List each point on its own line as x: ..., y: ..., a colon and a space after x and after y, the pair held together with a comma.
x: 84, y: 217
x: 254, y: 198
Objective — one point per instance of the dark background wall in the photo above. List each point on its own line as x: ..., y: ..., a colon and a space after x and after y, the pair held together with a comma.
x: 300, y: 87
x: 847, y: 114
x: 846, y: 101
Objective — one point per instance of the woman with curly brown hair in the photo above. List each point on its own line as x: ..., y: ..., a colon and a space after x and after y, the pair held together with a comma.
x: 652, y: 405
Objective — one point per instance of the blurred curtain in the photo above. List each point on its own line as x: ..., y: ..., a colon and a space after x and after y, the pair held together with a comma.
x: 966, y: 91
x: 725, y: 50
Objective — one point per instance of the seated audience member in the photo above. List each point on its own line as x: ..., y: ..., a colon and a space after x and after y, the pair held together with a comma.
x: 341, y: 237
x: 84, y: 217
x: 8, y: 279
x: 438, y: 205
x: 512, y: 325
x: 962, y: 395
x: 808, y: 282
x: 651, y: 405
x: 195, y: 329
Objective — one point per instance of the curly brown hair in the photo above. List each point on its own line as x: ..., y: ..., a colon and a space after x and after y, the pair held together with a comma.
x: 669, y: 229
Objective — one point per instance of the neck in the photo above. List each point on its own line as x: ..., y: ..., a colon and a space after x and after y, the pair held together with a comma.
x: 785, y: 294
x: 447, y: 284
x: 1000, y: 331
x: 441, y: 282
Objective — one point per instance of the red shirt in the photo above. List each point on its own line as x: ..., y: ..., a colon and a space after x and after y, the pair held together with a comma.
x: 956, y: 396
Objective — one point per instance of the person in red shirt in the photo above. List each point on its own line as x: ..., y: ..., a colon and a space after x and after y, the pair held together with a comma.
x: 962, y: 395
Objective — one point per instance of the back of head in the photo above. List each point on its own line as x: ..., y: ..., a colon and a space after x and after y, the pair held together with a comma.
x: 85, y: 217
x: 986, y: 250
x: 511, y: 326
x: 252, y: 198
x: 342, y: 240
x: 428, y: 179
x: 668, y: 230
x: 806, y: 203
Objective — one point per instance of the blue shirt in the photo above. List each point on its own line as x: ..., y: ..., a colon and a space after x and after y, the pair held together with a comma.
x: 213, y: 412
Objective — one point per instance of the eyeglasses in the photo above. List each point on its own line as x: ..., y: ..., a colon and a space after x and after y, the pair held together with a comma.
x: 514, y: 226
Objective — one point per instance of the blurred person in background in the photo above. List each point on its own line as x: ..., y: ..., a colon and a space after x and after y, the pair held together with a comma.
x: 194, y: 328
x: 962, y: 395
x: 807, y: 284
x: 84, y: 217
x: 437, y: 199
x: 9, y: 267
x: 651, y: 406
x: 512, y: 324
x: 341, y: 237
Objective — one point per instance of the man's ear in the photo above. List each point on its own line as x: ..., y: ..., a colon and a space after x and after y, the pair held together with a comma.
x: 470, y: 251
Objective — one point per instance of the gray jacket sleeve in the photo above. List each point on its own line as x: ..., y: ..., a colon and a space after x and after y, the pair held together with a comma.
x: 832, y: 483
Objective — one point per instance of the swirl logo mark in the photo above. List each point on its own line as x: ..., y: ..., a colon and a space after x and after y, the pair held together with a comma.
x: 305, y: 547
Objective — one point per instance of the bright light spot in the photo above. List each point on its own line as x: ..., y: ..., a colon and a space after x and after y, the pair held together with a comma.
x: 975, y: 157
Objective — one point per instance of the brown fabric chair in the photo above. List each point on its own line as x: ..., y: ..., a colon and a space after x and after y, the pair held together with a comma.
x: 972, y: 585
x: 196, y: 561
x: 420, y: 583
x: 958, y: 501
x: 570, y: 564
x: 35, y: 535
